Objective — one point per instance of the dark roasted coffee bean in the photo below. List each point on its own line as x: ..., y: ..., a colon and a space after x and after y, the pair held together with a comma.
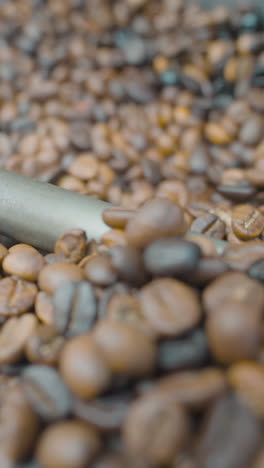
x: 237, y: 193
x: 158, y: 299
x: 207, y: 270
x: 233, y: 426
x: 46, y: 392
x: 241, y: 257
x: 183, y: 353
x: 128, y: 263
x: 171, y: 257
x: 74, y: 308
x: 68, y: 443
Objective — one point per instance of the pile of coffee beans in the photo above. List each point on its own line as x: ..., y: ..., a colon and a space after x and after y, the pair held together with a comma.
x: 146, y: 349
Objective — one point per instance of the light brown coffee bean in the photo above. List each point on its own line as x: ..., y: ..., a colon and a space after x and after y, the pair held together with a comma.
x: 3, y: 253
x: 99, y: 271
x: 158, y: 299
x: 67, y: 444
x: 247, y: 222
x: 234, y: 333
x: 53, y: 275
x: 43, y: 345
x: 233, y: 287
x: 247, y: 379
x: 157, y: 218
x: 13, y: 337
x: 84, y: 367
x: 44, y: 308
x: 155, y: 430
x: 24, y: 261
x: 16, y: 296
x: 72, y: 245
x: 127, y: 349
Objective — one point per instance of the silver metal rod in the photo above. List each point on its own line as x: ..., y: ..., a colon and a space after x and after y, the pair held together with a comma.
x: 37, y: 213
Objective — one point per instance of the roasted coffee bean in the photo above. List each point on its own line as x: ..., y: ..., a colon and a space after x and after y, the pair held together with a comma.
x: 72, y: 245
x: 155, y: 430
x: 126, y: 308
x: 67, y: 443
x: 234, y: 333
x: 106, y: 413
x: 193, y: 389
x: 210, y: 225
x: 241, y: 257
x: 46, y: 392
x: 114, y: 460
x: 19, y: 426
x: 157, y: 218
x: 53, y: 275
x: 247, y: 379
x: 84, y: 367
x: 207, y: 270
x: 118, y: 218
x: 127, y: 349
x: 44, y: 307
x: 74, y: 308
x: 44, y: 345
x: 158, y: 299
x: 24, y: 261
x: 99, y: 271
x: 16, y: 296
x: 13, y: 337
x: 233, y: 287
x: 183, y: 353
x: 247, y: 222
x: 238, y: 193
x: 230, y: 425
x: 256, y: 270
x: 128, y: 263
x: 171, y: 257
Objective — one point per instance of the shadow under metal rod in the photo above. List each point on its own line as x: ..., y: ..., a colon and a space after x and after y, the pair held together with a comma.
x: 37, y: 213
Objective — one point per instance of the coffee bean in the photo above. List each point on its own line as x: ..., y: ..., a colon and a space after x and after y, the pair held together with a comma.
x: 155, y: 430
x: 241, y: 257
x: 193, y: 389
x: 238, y: 193
x: 233, y: 287
x: 44, y: 345
x: 247, y: 222
x: 19, y: 425
x: 84, y: 367
x: 210, y: 225
x: 53, y: 275
x: 171, y: 257
x: 157, y: 218
x: 16, y: 296
x: 234, y: 333
x: 256, y: 270
x: 100, y: 271
x: 158, y: 300
x: 74, y: 308
x: 233, y: 426
x: 24, y: 261
x: 118, y: 218
x: 44, y: 308
x: 46, y: 392
x: 68, y: 443
x: 247, y: 379
x: 13, y: 337
x: 251, y: 131
x: 127, y: 349
x: 183, y: 353
x: 106, y: 413
x: 128, y: 263
x: 72, y: 245
x: 207, y: 270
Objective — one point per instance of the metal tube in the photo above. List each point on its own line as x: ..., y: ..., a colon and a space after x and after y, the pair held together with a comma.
x: 38, y: 213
